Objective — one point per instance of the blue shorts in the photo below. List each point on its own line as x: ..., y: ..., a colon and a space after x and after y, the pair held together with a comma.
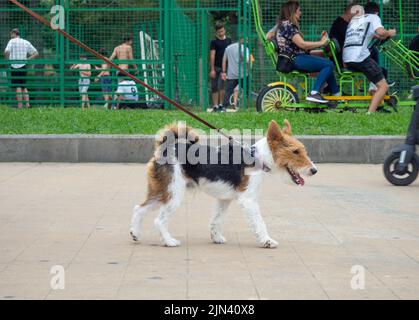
x: 106, y: 83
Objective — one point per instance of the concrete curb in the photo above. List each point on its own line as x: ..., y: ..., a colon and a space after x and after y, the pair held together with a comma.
x: 139, y: 149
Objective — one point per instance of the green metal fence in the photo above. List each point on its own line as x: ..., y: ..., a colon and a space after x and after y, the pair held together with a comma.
x: 171, y: 44
x: 171, y: 47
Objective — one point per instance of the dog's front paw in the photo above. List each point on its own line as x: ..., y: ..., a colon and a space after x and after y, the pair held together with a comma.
x: 135, y: 237
x: 269, y: 243
x: 218, y: 239
x: 171, y: 243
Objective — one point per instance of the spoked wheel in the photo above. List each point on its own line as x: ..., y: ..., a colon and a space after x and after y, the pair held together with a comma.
x: 276, y: 98
x: 397, y: 178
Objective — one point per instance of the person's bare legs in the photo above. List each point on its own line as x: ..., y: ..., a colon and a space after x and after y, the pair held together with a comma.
x: 382, y: 88
x: 118, y: 100
x: 222, y: 94
x: 235, y: 98
x: 87, y: 101
x: 19, y: 97
x: 82, y: 102
x: 26, y: 98
x: 107, y: 98
x: 215, y: 100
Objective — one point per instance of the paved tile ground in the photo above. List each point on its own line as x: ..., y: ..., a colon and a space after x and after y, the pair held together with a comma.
x: 77, y: 216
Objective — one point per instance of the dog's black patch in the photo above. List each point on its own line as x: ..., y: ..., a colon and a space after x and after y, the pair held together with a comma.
x: 226, y: 163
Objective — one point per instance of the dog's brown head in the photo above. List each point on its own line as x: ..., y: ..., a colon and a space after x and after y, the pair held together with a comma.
x: 288, y: 153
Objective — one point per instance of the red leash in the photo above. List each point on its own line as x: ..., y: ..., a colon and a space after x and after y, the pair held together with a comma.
x: 122, y: 71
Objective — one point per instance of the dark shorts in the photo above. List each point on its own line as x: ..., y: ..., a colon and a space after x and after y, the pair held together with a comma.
x: 106, y: 83
x: 231, y: 86
x: 18, y: 77
x: 369, y: 68
x: 217, y: 84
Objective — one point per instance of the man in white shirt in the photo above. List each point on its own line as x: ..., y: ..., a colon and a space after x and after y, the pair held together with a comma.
x: 19, y: 49
x: 356, y: 55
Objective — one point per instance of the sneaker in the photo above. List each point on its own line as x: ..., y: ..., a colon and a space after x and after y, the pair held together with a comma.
x: 222, y: 109
x: 232, y: 109
x: 316, y: 98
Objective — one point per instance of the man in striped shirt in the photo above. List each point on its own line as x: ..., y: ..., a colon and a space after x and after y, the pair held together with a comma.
x: 19, y: 49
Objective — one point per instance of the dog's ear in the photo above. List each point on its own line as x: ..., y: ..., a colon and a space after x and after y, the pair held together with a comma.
x: 274, y: 132
x: 287, y: 130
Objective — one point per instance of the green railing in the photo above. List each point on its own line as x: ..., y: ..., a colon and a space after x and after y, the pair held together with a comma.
x: 171, y: 47
x: 171, y: 44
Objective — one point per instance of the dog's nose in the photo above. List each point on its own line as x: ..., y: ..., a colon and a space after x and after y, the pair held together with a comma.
x: 313, y: 171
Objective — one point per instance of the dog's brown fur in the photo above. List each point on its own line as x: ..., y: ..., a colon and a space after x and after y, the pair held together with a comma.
x: 177, y: 131
x: 242, y: 187
x: 159, y: 178
x: 286, y: 150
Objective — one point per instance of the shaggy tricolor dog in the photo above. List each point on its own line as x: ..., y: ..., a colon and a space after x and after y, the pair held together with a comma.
x: 278, y: 152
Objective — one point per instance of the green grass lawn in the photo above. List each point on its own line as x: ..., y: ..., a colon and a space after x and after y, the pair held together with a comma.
x: 100, y: 121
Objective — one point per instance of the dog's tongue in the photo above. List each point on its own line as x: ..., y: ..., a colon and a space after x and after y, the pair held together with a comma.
x: 300, y: 178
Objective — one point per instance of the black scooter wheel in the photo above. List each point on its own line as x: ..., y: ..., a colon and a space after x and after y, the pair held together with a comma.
x: 396, y: 178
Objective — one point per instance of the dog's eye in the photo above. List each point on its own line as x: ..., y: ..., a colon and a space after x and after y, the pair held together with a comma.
x: 296, y: 152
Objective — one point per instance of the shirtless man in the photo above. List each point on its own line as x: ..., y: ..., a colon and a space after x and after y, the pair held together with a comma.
x: 84, y: 80
x: 124, y: 52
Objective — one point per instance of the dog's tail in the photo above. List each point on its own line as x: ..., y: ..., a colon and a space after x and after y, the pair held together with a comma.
x: 175, y: 132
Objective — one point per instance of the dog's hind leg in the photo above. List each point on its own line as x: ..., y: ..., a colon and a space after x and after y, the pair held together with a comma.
x: 138, y: 213
x: 176, y: 191
x: 251, y: 207
x: 217, y: 218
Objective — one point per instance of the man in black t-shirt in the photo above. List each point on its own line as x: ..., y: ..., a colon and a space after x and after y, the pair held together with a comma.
x: 338, y: 30
x: 218, y: 46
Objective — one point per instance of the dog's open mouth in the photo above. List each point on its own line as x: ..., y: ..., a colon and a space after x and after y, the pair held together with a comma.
x: 295, y: 176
